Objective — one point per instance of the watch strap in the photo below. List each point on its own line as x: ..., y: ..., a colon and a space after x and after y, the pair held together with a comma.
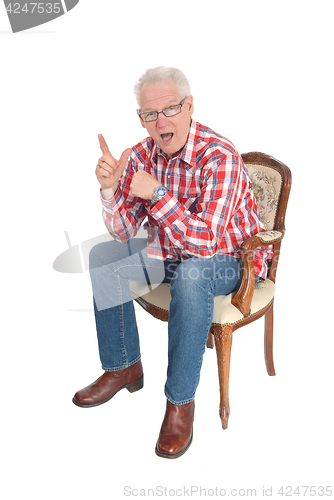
x: 158, y: 196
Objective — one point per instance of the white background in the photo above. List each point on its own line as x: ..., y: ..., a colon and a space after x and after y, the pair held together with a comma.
x: 261, y: 75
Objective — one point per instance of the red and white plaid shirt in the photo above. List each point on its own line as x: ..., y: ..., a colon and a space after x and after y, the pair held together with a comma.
x: 209, y: 207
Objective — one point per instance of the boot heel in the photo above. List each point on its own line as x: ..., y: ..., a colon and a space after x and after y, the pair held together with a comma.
x: 136, y: 385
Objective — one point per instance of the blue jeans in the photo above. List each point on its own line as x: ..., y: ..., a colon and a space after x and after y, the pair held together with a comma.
x: 194, y: 284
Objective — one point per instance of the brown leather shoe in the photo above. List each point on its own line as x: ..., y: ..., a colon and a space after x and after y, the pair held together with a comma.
x: 176, y: 432
x: 106, y: 386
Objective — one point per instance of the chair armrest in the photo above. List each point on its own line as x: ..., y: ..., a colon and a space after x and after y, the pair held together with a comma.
x: 266, y: 238
x: 243, y: 297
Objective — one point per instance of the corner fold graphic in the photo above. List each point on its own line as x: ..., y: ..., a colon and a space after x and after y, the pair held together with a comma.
x: 24, y: 15
x: 70, y: 4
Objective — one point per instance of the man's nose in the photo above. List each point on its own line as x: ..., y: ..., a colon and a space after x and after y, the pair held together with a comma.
x: 162, y: 120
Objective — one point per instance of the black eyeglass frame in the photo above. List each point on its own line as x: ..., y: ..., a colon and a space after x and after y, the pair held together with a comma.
x: 163, y: 111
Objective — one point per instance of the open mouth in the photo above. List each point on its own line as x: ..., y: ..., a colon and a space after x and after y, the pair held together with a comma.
x: 167, y: 138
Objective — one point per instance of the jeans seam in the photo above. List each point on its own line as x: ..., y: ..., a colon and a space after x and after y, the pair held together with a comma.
x: 171, y: 400
x: 116, y: 368
x: 124, y: 354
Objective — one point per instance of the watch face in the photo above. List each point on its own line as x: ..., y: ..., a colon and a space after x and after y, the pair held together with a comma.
x: 161, y: 191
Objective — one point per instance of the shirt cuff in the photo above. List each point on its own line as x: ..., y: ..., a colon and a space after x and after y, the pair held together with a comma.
x: 107, y: 194
x: 168, y: 211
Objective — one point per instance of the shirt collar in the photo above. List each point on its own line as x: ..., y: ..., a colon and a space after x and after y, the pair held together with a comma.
x: 188, y: 152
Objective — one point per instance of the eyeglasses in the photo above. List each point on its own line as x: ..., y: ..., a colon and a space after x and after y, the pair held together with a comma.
x: 151, y: 116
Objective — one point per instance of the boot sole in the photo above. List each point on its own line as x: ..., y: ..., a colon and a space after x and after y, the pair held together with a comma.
x: 176, y: 455
x: 132, y: 387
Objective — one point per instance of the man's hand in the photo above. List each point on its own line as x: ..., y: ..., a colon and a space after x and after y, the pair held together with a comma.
x: 110, y: 170
x: 143, y: 184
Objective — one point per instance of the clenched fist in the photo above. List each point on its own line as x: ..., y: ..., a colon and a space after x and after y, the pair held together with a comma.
x: 109, y: 170
x: 143, y: 184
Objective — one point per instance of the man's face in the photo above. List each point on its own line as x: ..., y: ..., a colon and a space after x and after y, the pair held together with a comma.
x: 170, y: 133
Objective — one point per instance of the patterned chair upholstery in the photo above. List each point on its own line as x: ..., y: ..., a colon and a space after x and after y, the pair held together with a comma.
x: 271, y: 181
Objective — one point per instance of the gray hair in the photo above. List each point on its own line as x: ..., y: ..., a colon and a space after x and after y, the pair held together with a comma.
x: 161, y: 74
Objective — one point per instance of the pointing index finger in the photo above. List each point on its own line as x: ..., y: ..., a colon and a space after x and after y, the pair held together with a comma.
x: 103, y: 144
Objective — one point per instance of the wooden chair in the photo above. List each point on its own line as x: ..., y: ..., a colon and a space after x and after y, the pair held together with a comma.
x: 271, y: 181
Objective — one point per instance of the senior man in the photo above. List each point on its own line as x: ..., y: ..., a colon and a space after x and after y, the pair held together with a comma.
x: 192, y: 187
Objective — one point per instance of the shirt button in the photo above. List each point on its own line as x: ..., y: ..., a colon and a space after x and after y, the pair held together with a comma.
x: 146, y: 203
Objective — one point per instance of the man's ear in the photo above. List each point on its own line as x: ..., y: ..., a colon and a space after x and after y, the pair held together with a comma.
x: 141, y: 121
x: 190, y: 104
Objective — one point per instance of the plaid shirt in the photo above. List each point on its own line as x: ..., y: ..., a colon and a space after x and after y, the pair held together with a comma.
x: 209, y: 207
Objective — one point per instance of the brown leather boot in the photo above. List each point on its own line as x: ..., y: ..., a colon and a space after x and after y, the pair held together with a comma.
x: 106, y: 386
x: 176, y: 431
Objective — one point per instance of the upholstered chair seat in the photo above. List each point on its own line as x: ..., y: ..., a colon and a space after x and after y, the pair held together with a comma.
x: 224, y: 313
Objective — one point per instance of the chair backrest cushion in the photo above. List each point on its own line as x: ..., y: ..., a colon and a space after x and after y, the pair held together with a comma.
x: 267, y: 183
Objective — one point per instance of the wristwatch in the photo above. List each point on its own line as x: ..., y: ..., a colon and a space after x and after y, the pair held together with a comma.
x: 158, y: 193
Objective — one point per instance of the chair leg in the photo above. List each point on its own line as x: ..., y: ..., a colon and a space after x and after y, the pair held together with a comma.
x: 209, y: 342
x: 223, y: 342
x: 268, y: 340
